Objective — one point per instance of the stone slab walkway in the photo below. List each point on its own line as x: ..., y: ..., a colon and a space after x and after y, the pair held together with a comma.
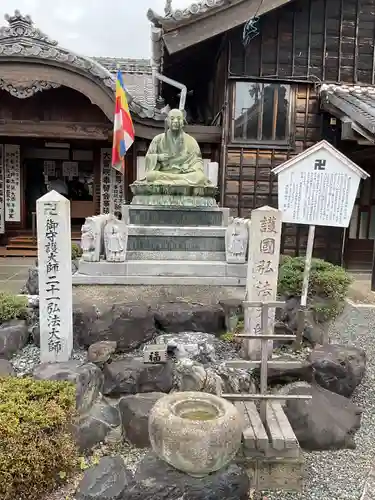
x: 13, y: 273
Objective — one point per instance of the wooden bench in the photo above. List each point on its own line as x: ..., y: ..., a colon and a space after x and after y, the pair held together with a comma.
x: 275, y: 438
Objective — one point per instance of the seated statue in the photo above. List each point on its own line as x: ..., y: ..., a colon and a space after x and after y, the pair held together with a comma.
x: 174, y: 158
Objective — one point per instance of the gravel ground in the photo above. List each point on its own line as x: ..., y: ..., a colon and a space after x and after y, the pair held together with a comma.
x: 341, y: 475
x: 336, y: 475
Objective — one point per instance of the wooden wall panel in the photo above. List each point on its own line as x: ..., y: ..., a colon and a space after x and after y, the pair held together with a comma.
x: 250, y: 184
x: 327, y: 40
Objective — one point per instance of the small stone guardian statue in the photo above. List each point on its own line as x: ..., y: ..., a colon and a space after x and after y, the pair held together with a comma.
x: 90, y: 240
x: 115, y: 240
x: 236, y: 240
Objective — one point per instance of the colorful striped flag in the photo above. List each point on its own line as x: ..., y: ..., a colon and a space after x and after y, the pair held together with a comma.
x: 123, y: 129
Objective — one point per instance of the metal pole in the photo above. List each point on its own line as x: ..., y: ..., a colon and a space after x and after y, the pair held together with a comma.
x: 306, y: 273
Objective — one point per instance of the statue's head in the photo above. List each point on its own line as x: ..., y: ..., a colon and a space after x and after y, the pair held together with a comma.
x: 175, y: 120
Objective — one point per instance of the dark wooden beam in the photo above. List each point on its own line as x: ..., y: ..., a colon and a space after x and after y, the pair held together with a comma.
x: 219, y: 22
x: 52, y: 129
x: 201, y: 133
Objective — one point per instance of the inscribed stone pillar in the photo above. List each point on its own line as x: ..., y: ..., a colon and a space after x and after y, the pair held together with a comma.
x: 55, y: 278
x: 262, y: 273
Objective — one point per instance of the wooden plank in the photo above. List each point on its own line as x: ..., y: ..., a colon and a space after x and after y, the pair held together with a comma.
x: 274, y: 430
x: 255, y: 397
x: 258, y: 428
x: 214, y: 23
x: 242, y: 363
x: 267, y: 337
x: 249, y: 438
x: 288, y: 433
x: 271, y: 303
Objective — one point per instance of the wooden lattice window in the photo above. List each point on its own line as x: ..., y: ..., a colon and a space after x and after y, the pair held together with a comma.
x: 261, y: 113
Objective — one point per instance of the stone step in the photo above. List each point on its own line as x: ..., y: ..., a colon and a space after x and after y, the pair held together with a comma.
x: 175, y: 216
x: 80, y: 279
x: 191, y: 231
x: 163, y: 268
x: 197, y: 242
x: 164, y: 255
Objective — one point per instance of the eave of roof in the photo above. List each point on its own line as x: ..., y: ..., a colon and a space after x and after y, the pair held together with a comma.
x: 206, y: 19
x: 355, y: 102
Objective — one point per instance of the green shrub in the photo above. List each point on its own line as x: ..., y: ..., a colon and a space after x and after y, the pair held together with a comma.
x: 36, y: 446
x: 227, y: 337
x: 76, y: 251
x: 328, y: 285
x: 12, y: 307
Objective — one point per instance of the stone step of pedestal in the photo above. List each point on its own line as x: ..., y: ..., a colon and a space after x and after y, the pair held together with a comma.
x: 175, y: 216
x: 226, y: 281
x: 163, y: 268
x: 171, y: 231
x: 174, y: 255
x: 197, y: 242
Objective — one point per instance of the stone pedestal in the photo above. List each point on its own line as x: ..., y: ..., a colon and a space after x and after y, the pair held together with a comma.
x: 170, y: 245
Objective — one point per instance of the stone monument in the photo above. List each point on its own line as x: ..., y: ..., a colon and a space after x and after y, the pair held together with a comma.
x: 173, y: 232
x: 55, y: 278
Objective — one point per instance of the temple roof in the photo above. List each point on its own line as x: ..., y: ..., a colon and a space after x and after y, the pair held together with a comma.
x: 137, y: 75
x: 353, y: 103
x: 22, y: 40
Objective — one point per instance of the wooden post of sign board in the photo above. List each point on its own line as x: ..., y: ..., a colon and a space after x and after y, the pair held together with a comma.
x: 373, y: 269
x: 308, y: 259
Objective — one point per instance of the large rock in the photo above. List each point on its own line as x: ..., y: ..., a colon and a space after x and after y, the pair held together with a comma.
x: 192, y: 376
x: 94, y: 427
x: 176, y: 317
x: 313, y: 331
x: 87, y: 377
x: 108, y: 480
x: 235, y: 380
x: 327, y: 422
x: 132, y: 375
x: 14, y: 336
x: 6, y: 369
x: 195, y: 345
x: 338, y: 368
x: 130, y: 325
x: 288, y: 374
x: 101, y: 352
x: 156, y: 480
x: 135, y: 411
x: 32, y: 284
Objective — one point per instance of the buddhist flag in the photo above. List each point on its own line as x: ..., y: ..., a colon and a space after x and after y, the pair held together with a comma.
x: 123, y: 129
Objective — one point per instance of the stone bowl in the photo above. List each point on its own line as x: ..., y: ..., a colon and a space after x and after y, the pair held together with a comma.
x: 139, y: 189
x: 195, y: 432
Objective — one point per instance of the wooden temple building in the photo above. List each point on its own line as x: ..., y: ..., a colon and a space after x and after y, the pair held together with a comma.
x: 265, y: 80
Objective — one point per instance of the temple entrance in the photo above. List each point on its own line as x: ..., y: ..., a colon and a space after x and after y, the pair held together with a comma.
x: 62, y: 168
x: 360, y: 235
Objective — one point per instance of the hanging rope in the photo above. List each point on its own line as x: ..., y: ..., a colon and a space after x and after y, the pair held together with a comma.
x: 250, y: 31
x: 251, y: 28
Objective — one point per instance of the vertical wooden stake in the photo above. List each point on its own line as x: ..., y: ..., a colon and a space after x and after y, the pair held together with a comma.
x: 300, y: 327
x: 264, y: 361
x: 306, y: 273
x: 373, y: 270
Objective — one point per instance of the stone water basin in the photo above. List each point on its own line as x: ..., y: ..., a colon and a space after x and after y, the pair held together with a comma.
x: 197, y: 433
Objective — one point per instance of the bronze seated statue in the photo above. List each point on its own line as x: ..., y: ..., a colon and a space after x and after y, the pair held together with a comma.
x: 174, y: 157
